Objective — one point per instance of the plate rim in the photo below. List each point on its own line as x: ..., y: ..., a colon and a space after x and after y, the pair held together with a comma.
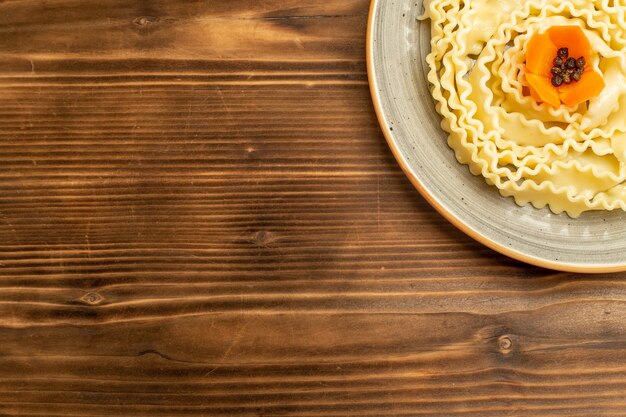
x: 447, y: 214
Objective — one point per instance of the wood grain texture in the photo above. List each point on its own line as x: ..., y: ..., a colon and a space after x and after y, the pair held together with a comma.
x: 199, y: 216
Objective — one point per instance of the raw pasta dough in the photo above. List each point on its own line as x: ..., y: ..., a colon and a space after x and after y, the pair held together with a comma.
x: 572, y: 159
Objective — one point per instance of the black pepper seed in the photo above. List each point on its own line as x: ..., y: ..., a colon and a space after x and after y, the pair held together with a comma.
x: 565, y: 69
x: 557, y: 80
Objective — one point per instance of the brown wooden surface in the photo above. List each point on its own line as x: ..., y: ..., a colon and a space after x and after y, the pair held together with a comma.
x: 200, y: 216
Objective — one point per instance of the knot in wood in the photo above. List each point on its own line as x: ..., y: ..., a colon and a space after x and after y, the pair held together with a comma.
x: 264, y: 238
x: 250, y: 152
x: 505, y: 343
x: 92, y: 298
x: 145, y: 20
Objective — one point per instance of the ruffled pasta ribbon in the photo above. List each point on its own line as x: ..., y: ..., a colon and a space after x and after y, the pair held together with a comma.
x: 569, y: 158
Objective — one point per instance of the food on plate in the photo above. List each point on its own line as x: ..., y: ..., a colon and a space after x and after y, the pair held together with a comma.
x: 555, y: 77
x: 533, y: 97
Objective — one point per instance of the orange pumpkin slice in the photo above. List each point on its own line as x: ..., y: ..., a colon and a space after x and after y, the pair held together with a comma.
x: 542, y: 88
x: 589, y: 86
x: 571, y: 37
x: 540, y: 54
x: 534, y: 94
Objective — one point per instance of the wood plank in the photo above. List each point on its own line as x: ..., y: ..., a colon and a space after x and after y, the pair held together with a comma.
x: 200, y: 216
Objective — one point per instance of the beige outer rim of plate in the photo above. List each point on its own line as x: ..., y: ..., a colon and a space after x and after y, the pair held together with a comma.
x: 433, y: 202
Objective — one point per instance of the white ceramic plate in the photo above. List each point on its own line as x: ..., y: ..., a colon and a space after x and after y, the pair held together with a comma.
x: 397, y: 45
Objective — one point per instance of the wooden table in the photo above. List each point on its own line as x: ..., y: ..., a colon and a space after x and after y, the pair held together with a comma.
x: 200, y: 216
